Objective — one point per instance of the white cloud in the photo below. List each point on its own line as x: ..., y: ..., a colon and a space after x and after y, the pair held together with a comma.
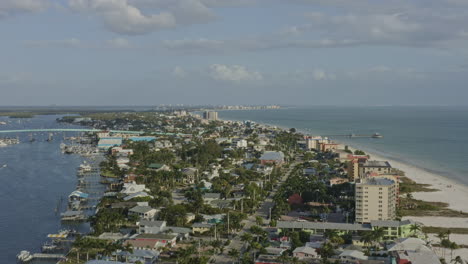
x: 134, y: 17
x: 121, y: 17
x: 234, y: 73
x: 11, y: 7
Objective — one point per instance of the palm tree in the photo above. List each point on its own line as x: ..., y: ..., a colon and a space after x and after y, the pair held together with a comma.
x: 415, y: 228
x: 367, y: 238
x: 452, y: 247
x: 457, y: 260
x: 233, y: 253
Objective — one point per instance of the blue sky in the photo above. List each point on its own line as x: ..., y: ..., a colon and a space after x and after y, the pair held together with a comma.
x: 307, y: 52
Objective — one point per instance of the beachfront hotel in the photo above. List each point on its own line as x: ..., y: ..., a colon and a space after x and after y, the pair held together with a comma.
x: 376, y: 199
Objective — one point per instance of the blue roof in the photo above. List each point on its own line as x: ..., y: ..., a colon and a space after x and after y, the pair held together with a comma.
x: 149, y: 138
x: 79, y: 194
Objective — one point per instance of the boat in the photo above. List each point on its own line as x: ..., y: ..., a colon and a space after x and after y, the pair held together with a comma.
x: 377, y: 135
x: 24, y: 256
x: 2, y: 123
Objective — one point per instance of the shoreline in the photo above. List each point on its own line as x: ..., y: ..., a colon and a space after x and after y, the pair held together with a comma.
x: 450, y: 191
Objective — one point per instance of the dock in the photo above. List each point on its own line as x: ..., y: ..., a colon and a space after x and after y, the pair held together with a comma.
x: 47, y: 256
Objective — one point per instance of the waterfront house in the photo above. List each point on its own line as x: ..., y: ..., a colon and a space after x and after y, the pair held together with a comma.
x: 78, y: 196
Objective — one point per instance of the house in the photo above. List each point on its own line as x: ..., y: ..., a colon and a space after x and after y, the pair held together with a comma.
x: 190, y: 175
x: 137, y: 195
x: 267, y: 259
x: 208, y: 197
x: 162, y: 240
x: 272, y: 157
x: 158, y: 167
x: 214, y: 219
x: 201, y: 228
x: 108, y: 142
x: 412, y: 250
x: 78, y: 196
x: 121, y: 152
x: 144, y: 256
x: 305, y: 252
x: 275, y: 251
x: 132, y: 187
x: 151, y: 227
x: 111, y: 236
x: 145, y: 212
x: 143, y: 244
x: 352, y: 255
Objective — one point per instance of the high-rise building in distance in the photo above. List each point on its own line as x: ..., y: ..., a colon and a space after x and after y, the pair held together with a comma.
x: 210, y: 115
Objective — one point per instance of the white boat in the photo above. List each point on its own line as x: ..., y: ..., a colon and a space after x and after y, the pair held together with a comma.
x: 2, y: 123
x: 24, y: 256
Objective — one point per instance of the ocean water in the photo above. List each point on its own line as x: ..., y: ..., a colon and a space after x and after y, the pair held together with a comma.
x: 36, y: 176
x: 432, y: 138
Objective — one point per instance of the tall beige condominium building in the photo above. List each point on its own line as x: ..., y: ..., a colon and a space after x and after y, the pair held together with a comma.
x: 210, y: 115
x: 353, y: 170
x: 376, y: 199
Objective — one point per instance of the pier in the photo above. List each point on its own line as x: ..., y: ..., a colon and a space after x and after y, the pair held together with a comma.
x: 376, y: 135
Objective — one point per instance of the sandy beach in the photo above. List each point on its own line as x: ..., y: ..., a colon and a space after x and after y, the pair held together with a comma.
x: 451, y: 192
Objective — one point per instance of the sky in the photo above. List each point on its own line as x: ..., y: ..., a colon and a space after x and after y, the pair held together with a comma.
x: 287, y: 52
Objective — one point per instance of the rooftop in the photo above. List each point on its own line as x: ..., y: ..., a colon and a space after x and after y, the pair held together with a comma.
x: 272, y: 155
x: 322, y: 225
x: 377, y: 163
x: 376, y: 181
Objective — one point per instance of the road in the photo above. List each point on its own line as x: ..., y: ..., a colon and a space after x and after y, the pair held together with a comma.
x: 263, y: 211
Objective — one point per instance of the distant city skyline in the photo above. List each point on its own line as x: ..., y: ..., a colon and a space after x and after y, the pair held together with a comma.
x: 242, y: 52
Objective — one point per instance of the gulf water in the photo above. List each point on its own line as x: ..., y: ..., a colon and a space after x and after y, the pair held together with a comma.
x: 36, y: 175
x: 432, y: 138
